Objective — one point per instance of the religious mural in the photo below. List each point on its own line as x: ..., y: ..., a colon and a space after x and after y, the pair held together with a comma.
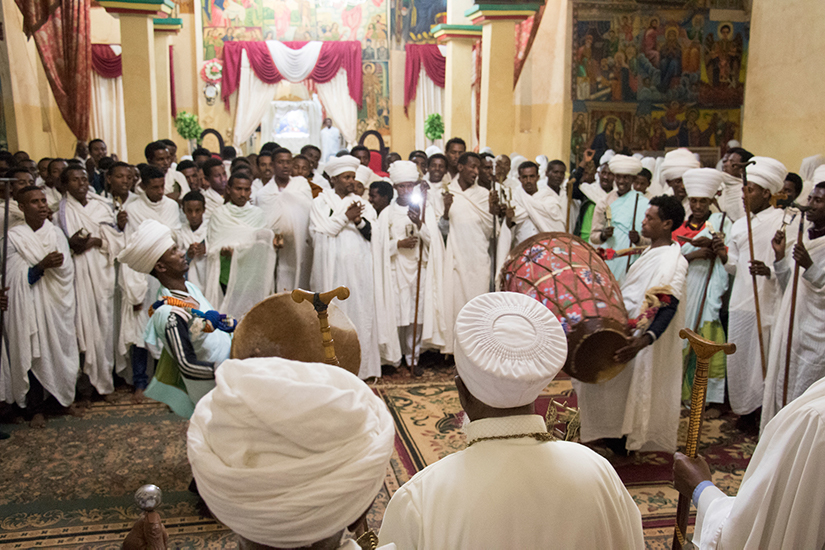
x: 656, y: 79
x: 412, y: 19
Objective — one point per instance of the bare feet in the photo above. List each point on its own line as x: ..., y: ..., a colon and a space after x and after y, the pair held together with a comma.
x: 38, y: 421
x: 76, y: 410
x: 138, y: 397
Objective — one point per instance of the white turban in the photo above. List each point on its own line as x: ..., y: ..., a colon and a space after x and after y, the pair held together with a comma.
x: 402, y: 171
x: 622, y: 164
x: 288, y: 453
x: 819, y: 175
x: 807, y: 170
x: 146, y: 246
x: 702, y: 182
x: 678, y: 162
x: 515, y: 161
x: 339, y: 165
x: 606, y: 156
x: 508, y: 347
x: 638, y: 156
x: 767, y: 173
x: 362, y: 174
x: 433, y: 150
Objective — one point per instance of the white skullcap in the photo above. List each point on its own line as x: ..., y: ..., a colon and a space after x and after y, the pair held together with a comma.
x: 288, y: 453
x: 819, y: 174
x: 362, y: 174
x: 433, y: 150
x: 508, y: 347
x: 402, y: 171
x: 622, y: 164
x: 702, y: 182
x: 339, y: 165
x: 146, y: 246
x: 767, y: 173
x: 606, y: 156
x: 678, y: 162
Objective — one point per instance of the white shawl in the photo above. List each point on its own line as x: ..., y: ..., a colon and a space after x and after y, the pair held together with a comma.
x: 197, y: 267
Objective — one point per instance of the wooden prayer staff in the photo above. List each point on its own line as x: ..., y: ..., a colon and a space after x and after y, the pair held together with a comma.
x: 320, y: 301
x: 6, y: 185
x: 148, y: 531
x: 704, y: 350
x: 793, y: 313
x: 633, y: 225
x: 418, y: 275
x: 570, y: 183
x: 753, y: 277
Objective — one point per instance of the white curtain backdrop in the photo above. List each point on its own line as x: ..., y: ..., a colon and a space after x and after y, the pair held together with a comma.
x: 108, y: 112
x: 340, y: 106
x: 254, y: 99
x: 294, y: 65
x: 429, y: 99
x: 279, y: 109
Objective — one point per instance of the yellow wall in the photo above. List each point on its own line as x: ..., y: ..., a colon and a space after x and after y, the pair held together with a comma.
x: 402, y: 128
x: 784, y: 112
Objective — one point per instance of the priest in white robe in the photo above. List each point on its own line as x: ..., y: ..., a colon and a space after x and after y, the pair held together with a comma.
x: 40, y: 320
x: 515, y: 485
x: 400, y: 240
x: 192, y: 238
x: 331, y: 141
x: 638, y: 410
x: 341, y: 228
x: 744, y: 368
x: 779, y: 503
x: 467, y: 223
x: 240, y: 262
x: 214, y: 191
x: 286, y: 202
x: 88, y: 222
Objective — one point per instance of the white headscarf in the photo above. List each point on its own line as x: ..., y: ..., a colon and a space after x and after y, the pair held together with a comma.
x: 606, y: 156
x: 402, y: 171
x: 819, y: 175
x: 516, y: 161
x: 678, y: 162
x: 340, y: 165
x: 363, y: 174
x: 146, y: 246
x: 702, y: 182
x: 288, y: 453
x: 767, y: 173
x: 622, y: 164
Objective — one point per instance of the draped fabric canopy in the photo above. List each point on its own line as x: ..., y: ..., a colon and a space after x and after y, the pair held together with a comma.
x: 271, y: 63
x: 428, y: 57
x: 108, y: 111
x: 106, y: 62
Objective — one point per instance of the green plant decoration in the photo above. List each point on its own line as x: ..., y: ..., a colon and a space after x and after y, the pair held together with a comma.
x: 434, y: 127
x: 188, y: 127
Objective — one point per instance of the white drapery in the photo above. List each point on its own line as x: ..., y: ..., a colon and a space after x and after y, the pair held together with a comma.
x: 108, y: 112
x: 279, y: 109
x: 294, y: 65
x: 254, y: 99
x: 429, y: 99
x: 340, y: 106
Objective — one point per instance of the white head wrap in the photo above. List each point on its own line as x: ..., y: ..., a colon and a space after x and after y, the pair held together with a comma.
x: 622, y: 164
x: 146, y: 246
x: 819, y: 175
x: 402, y: 171
x: 362, y: 174
x: 650, y: 164
x: 733, y: 143
x: 807, y: 170
x: 432, y: 150
x: 542, y: 161
x: 288, y: 453
x: 702, y: 182
x: 485, y: 150
x: 508, y: 347
x: 339, y: 165
x: 515, y: 161
x: 678, y: 162
x: 606, y: 156
x: 638, y: 156
x: 767, y: 173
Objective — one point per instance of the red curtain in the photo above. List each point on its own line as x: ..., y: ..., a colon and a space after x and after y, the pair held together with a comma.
x: 334, y: 56
x: 434, y: 64
x: 61, y: 34
x: 105, y: 62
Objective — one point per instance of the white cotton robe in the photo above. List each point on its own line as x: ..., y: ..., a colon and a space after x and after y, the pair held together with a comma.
x: 467, y: 258
x: 626, y: 214
x: 745, y: 384
x: 779, y: 504
x: 514, y: 494
x: 94, y: 285
x: 214, y: 200
x: 252, y: 267
x: 342, y: 256
x: 40, y: 321
x: 287, y: 214
x: 197, y: 266
x: 643, y: 401
x: 538, y: 213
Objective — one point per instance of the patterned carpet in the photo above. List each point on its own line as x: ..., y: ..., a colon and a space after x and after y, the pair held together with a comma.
x: 70, y: 485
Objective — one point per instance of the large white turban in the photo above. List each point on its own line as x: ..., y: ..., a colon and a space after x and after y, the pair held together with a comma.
x: 767, y: 173
x: 146, y: 246
x: 606, y: 156
x: 508, y: 347
x: 288, y: 453
x: 702, y: 182
x: 339, y: 165
x: 678, y: 162
x: 403, y: 171
x: 622, y: 164
x: 363, y: 174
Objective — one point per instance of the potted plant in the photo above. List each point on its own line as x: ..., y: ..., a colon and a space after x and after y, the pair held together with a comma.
x: 189, y: 129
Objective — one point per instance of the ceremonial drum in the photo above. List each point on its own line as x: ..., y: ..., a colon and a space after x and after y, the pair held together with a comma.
x: 567, y: 275
x: 279, y: 327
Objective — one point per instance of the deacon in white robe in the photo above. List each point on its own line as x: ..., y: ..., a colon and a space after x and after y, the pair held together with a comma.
x: 731, y: 199
x: 240, y: 263
x: 533, y: 210
x: 642, y: 402
x: 331, y: 141
x: 22, y: 179
x: 807, y: 359
x: 505, y: 489
x: 191, y: 239
x: 88, y: 222
x: 40, y: 320
x: 396, y: 251
x: 780, y: 498
x: 340, y: 225
x: 266, y: 171
x: 214, y: 191
x: 468, y: 225
x: 744, y: 368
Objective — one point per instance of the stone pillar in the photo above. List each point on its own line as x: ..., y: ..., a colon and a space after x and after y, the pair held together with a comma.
x: 164, y: 29
x: 459, y: 40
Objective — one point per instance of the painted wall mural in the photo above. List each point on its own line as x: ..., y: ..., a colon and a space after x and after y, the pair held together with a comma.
x: 656, y: 79
x: 412, y: 19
